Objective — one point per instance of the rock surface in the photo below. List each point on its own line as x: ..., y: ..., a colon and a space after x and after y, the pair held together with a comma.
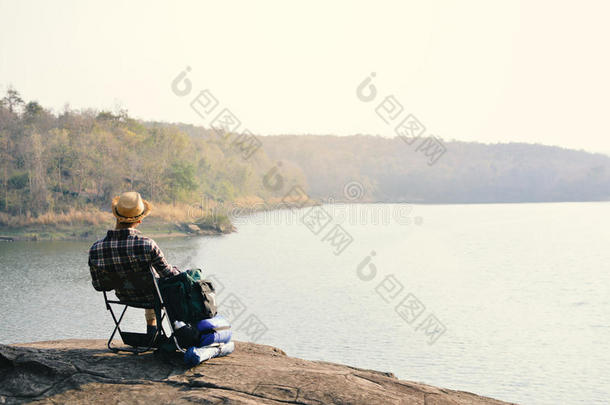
x: 84, y: 371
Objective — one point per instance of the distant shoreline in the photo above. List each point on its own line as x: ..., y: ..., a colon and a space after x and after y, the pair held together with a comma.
x: 27, y: 235
x: 156, y: 227
x: 82, y: 232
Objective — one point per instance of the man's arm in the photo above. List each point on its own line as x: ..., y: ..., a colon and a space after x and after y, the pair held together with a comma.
x: 159, y: 263
x: 97, y: 278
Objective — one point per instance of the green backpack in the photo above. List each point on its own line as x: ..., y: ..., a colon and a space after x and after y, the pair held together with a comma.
x: 188, y: 297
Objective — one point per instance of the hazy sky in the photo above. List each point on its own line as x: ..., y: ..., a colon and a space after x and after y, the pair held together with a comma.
x: 489, y: 71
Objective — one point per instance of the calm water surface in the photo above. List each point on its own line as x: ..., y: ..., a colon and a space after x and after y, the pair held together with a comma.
x: 523, y: 291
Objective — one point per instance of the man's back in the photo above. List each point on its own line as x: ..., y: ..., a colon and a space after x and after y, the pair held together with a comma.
x: 125, y: 251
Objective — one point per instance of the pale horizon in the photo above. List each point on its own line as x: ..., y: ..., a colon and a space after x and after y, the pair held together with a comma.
x: 473, y: 72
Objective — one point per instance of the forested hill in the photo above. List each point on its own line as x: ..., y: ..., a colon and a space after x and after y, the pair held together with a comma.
x: 55, y: 162
x: 51, y: 162
x: 390, y: 170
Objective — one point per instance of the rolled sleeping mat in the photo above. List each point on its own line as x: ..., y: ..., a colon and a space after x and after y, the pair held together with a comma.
x: 197, y: 355
x: 214, y: 330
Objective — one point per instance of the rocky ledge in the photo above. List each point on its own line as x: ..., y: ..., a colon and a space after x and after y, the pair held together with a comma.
x: 83, y: 371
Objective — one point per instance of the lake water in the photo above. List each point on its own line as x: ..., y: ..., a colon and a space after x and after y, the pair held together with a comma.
x: 507, y: 300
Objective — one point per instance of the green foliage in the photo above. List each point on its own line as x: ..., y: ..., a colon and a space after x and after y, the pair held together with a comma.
x: 225, y: 190
x: 32, y: 109
x: 219, y: 222
x: 74, y: 159
x: 12, y: 99
x: 181, y: 179
x: 18, y: 181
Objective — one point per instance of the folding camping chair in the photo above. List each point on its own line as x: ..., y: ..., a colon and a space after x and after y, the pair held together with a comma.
x: 139, y: 342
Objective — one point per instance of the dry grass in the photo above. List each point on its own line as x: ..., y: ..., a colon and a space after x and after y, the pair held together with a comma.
x: 172, y: 212
x: 251, y: 201
x: 169, y: 213
x: 93, y: 216
x: 90, y: 216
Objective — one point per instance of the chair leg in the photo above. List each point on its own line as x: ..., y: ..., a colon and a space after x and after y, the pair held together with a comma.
x: 163, y: 308
x: 162, y: 313
x: 116, y: 327
x: 135, y: 350
x: 180, y: 349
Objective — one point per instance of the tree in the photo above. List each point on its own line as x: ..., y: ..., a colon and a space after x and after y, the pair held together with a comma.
x: 59, y: 154
x: 6, y: 158
x: 38, y: 181
x: 32, y: 109
x: 12, y: 99
x: 181, y: 177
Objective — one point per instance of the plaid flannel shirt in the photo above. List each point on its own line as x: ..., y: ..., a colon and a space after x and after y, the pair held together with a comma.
x: 125, y: 251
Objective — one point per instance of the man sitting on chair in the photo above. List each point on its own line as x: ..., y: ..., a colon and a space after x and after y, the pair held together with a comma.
x: 125, y: 250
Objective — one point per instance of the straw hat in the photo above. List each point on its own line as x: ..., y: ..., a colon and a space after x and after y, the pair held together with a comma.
x: 129, y: 207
